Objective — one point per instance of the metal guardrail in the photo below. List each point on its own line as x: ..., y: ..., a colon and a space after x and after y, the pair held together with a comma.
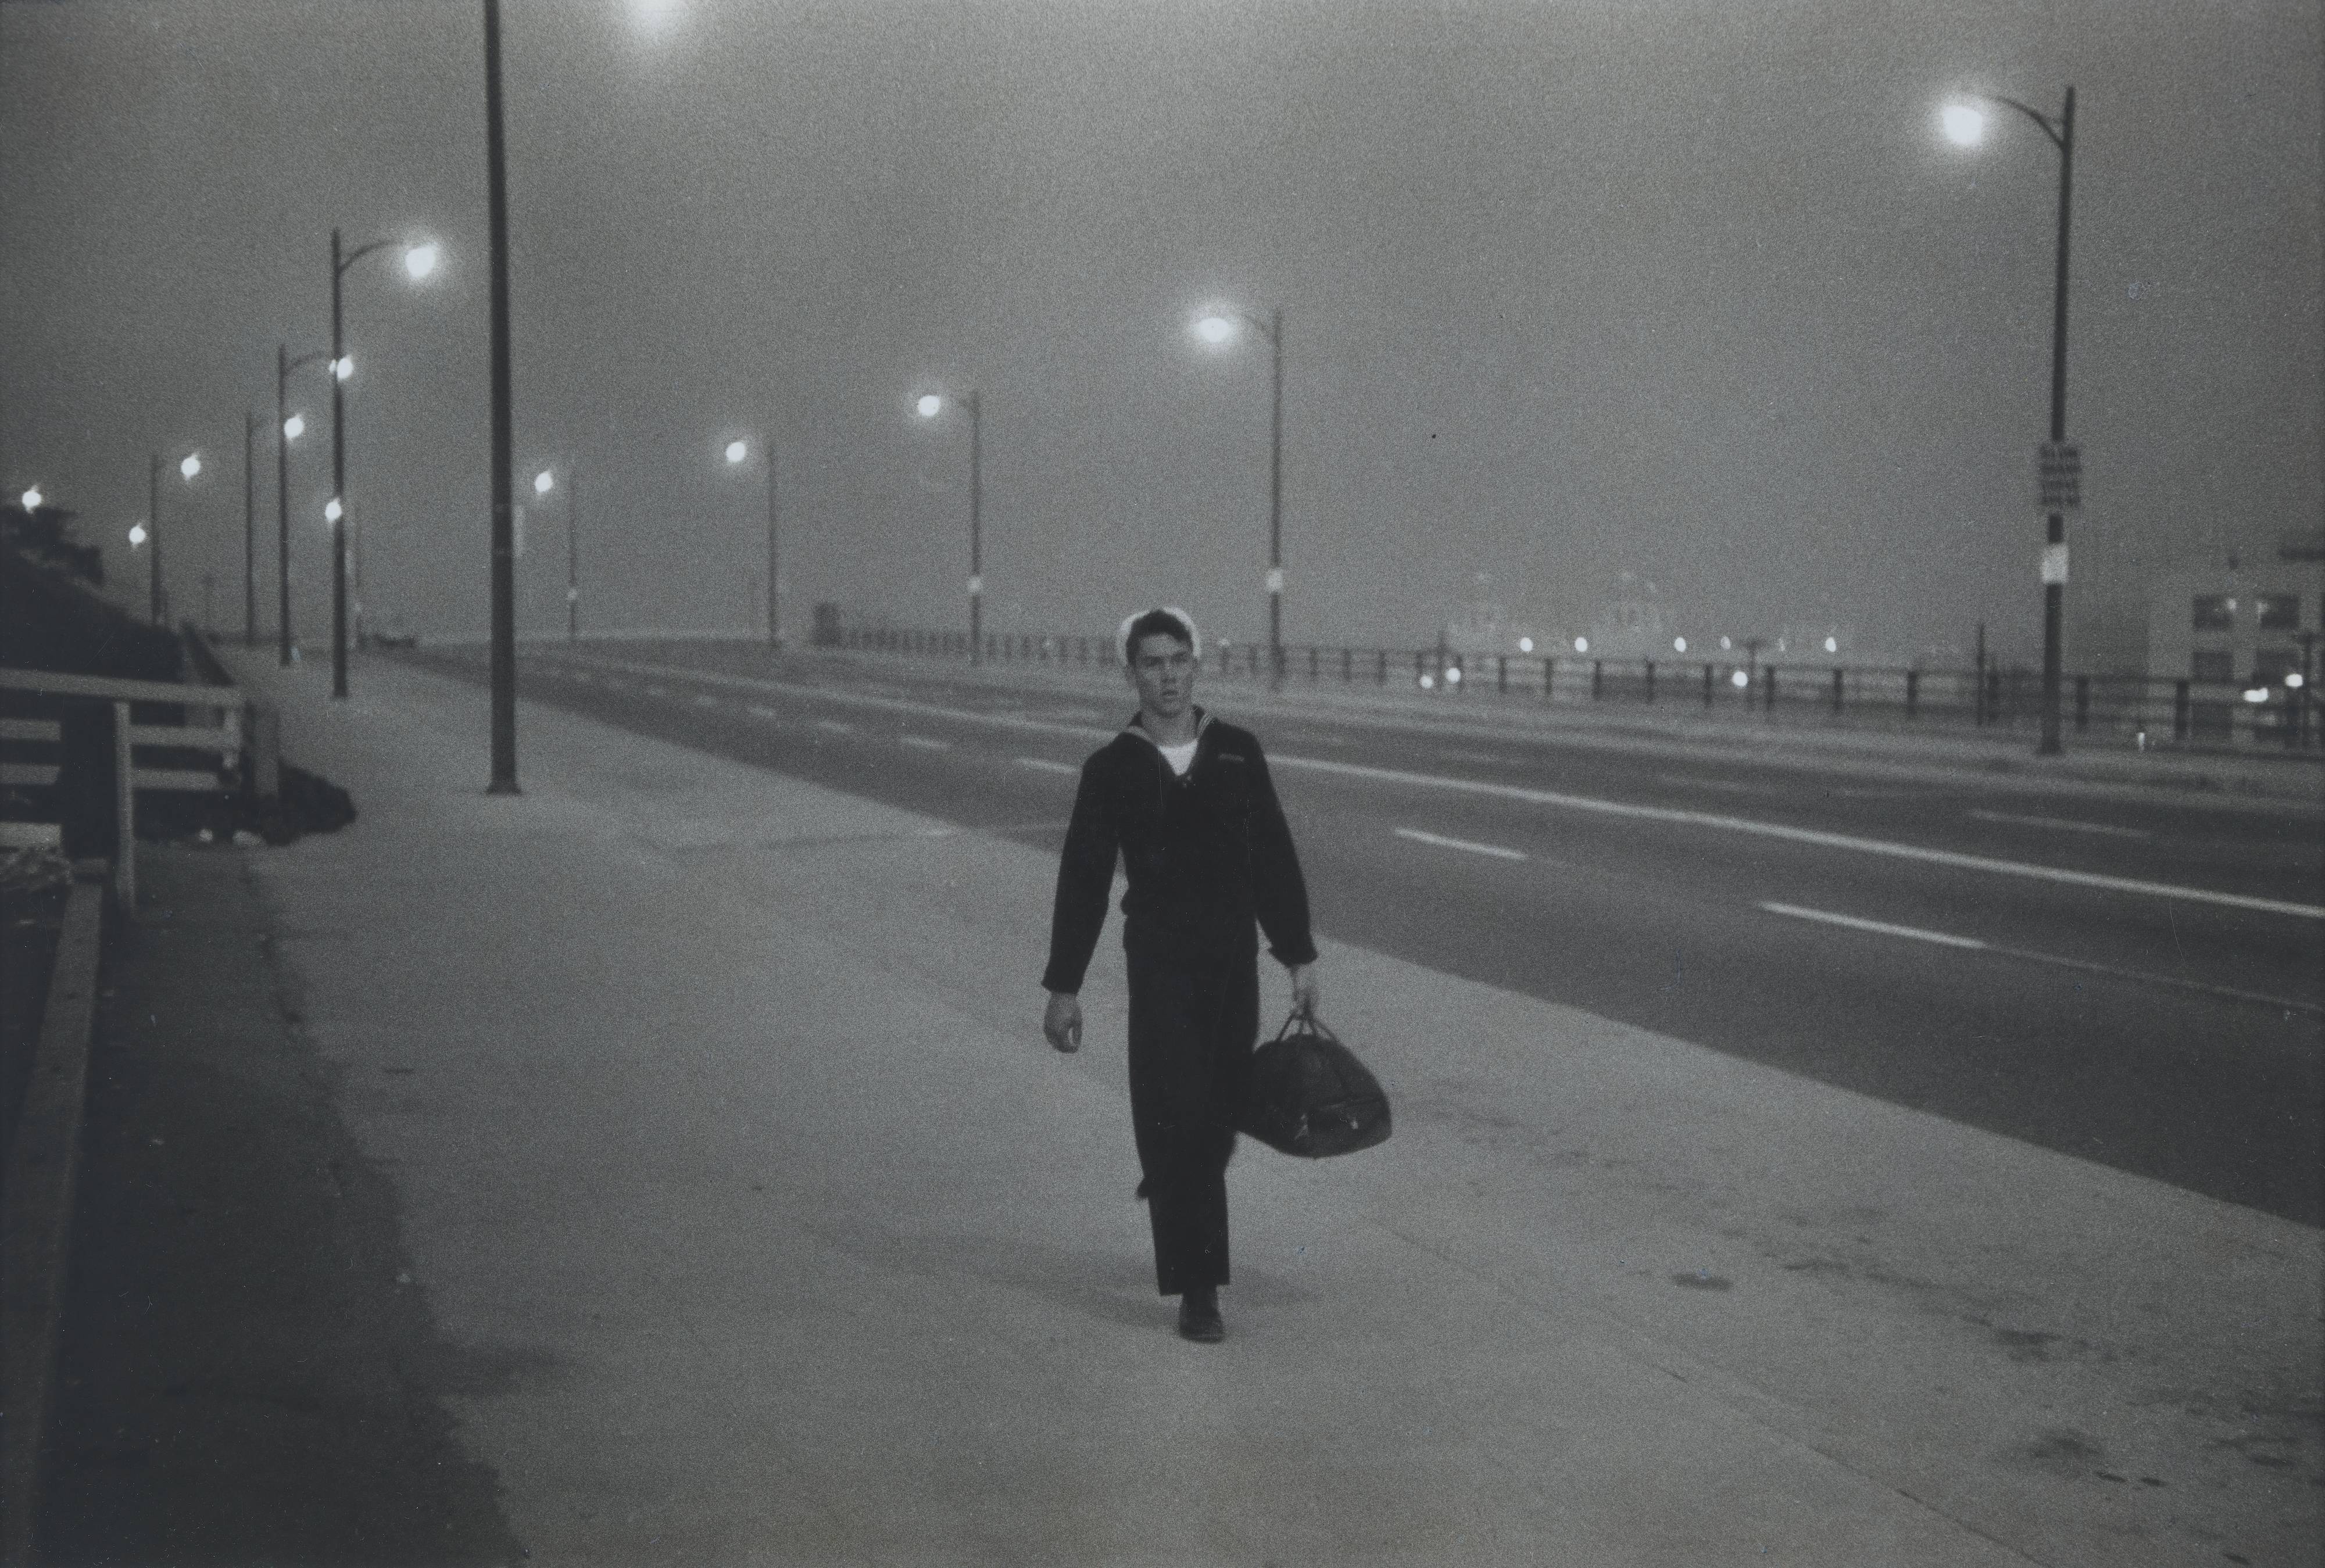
x: 2131, y: 710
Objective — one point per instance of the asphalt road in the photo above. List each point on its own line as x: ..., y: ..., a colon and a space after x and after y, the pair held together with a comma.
x: 2134, y: 981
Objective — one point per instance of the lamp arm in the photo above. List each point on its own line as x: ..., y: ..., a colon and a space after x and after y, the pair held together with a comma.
x: 355, y: 255
x: 2051, y: 127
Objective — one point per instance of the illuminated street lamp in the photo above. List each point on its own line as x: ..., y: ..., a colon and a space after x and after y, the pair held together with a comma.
x: 419, y: 261
x: 1964, y: 125
x: 1220, y: 328
x: 190, y: 467
x: 542, y: 483
x: 32, y: 499
x: 288, y: 428
x: 738, y: 452
x: 928, y: 406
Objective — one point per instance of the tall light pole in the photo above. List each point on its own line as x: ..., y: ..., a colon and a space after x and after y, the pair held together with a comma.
x: 249, y: 530
x: 419, y: 261
x: 503, y: 542
x: 190, y: 466
x: 928, y: 406
x: 1965, y: 126
x: 738, y: 452
x: 1219, y: 329
x: 288, y: 428
x: 542, y: 483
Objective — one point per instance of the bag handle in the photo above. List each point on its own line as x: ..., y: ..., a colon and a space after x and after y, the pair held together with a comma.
x: 1315, y: 1025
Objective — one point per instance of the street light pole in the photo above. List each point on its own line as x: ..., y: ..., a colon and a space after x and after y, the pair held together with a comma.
x: 1275, y: 500
x: 504, y: 546
x: 774, y: 573
x: 976, y: 527
x: 153, y: 534
x: 338, y: 483
x: 572, y: 555
x: 249, y: 530
x: 1965, y: 126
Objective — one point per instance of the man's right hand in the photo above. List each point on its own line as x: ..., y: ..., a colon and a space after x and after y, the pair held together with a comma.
x: 1062, y: 1022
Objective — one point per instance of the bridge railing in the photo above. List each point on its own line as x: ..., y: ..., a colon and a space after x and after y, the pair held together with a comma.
x: 2132, y: 710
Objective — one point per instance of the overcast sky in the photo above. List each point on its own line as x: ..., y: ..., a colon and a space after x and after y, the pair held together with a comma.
x: 1687, y: 290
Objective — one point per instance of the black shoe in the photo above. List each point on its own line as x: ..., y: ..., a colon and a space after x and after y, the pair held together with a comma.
x: 1199, y: 1316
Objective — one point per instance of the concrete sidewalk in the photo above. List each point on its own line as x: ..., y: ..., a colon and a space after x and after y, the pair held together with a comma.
x: 709, y: 1110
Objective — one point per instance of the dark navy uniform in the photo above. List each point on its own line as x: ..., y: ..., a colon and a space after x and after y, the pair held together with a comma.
x: 1205, y: 855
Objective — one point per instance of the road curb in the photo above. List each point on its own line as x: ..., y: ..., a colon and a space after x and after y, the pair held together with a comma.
x: 36, y: 1212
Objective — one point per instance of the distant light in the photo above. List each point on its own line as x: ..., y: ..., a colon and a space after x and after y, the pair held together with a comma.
x: 1738, y: 678
x: 1216, y: 330
x: 32, y: 499
x: 1831, y: 645
x: 1725, y: 645
x: 1964, y: 123
x: 1525, y: 645
x: 737, y: 450
x: 1582, y: 645
x: 2296, y: 680
x: 2257, y: 694
x: 1428, y: 682
x: 543, y: 482
x: 344, y: 366
x: 421, y: 258
x: 136, y: 535
x: 1678, y: 645
x: 332, y: 509
x: 930, y: 405
x: 190, y: 467
x: 1453, y: 676
x: 294, y: 427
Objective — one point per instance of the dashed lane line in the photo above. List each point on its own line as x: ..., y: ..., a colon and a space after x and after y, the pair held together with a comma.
x: 835, y: 726
x: 1879, y: 927
x: 2051, y: 960
x: 924, y: 743
x: 705, y: 702
x: 2063, y: 824
x: 1499, y: 852
x: 1976, y: 863
x: 759, y: 711
x: 1044, y: 765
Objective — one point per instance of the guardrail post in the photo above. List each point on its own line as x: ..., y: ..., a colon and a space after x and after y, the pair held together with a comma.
x: 1348, y: 666
x: 1651, y: 682
x: 1707, y: 686
x: 1502, y: 673
x: 124, y: 812
x: 2180, y: 710
x: 1380, y: 674
x: 1768, y: 690
x: 1836, y: 687
x: 1597, y: 676
x: 1912, y: 693
x: 1549, y: 679
x: 2082, y: 702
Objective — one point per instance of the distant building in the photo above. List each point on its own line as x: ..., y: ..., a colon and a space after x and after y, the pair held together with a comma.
x: 2227, y: 623
x: 2229, y: 627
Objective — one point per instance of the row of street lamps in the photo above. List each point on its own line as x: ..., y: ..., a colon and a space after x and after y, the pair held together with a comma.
x: 1963, y: 122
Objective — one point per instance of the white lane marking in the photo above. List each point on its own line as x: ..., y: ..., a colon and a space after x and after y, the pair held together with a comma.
x: 705, y: 702
x: 924, y: 743
x: 1880, y: 928
x: 1498, y: 851
x: 1532, y: 796
x: 758, y: 712
x: 835, y: 726
x: 657, y: 691
x: 1944, y: 857
x: 1730, y: 786
x: 1046, y: 766
x: 2064, y: 825
x: 1456, y: 754
x: 2052, y: 960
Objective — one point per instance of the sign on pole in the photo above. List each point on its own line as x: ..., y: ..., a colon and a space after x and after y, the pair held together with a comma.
x: 2061, y: 468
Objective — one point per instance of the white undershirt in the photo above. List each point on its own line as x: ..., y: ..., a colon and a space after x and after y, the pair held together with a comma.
x: 1180, y: 757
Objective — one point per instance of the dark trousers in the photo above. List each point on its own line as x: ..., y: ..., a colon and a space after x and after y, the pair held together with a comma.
x: 1194, y: 1019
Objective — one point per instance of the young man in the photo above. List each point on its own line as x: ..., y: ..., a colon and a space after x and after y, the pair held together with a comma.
x: 1186, y: 803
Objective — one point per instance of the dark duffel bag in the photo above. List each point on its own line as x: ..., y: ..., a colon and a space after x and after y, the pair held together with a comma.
x: 1310, y: 1096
